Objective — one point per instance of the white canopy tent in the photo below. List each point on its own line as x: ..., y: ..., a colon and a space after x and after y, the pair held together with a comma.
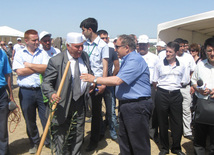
x: 10, y: 34
x: 195, y: 29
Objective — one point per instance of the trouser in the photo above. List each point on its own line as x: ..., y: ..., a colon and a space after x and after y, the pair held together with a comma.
x: 110, y: 110
x: 74, y: 125
x: 187, y: 117
x: 169, y: 104
x: 96, y: 117
x: 134, y: 127
x: 4, y: 111
x: 30, y: 100
x: 153, y: 126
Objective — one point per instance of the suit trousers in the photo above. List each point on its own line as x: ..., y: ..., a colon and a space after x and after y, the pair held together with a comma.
x: 169, y: 107
x: 72, y: 145
x: 134, y: 127
x: 96, y: 117
x: 4, y: 111
x: 30, y: 100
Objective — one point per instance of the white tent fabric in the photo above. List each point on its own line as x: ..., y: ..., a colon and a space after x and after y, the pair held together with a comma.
x: 195, y: 29
x: 9, y: 34
x: 7, y: 31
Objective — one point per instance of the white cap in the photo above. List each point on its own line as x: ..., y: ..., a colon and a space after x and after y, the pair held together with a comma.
x: 161, y: 44
x: 19, y: 39
x: 10, y: 42
x: 43, y: 34
x: 74, y: 37
x: 143, y: 39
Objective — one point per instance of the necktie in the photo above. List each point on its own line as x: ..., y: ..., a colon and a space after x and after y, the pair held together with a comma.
x: 76, y: 81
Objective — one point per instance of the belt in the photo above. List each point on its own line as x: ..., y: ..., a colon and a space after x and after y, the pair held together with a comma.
x: 134, y: 100
x: 31, y: 88
x: 168, y: 91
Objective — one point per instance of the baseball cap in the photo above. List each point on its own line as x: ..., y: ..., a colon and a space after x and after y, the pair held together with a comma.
x: 10, y: 42
x: 143, y: 39
x: 19, y: 39
x: 161, y: 44
x: 43, y: 34
x: 74, y: 37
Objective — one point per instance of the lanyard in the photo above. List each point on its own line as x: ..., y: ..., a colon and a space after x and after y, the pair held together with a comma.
x: 91, y: 50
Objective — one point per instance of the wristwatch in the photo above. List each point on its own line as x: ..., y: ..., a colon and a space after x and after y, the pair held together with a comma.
x: 95, y: 80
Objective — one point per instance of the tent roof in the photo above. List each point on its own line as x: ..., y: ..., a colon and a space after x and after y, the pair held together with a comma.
x: 7, y: 31
x: 201, y: 23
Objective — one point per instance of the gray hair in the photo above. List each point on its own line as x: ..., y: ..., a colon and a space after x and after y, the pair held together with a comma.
x: 127, y: 40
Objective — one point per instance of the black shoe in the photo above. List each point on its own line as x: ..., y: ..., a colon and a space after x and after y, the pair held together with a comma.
x: 178, y: 152
x: 163, y: 152
x: 48, y: 146
x: 190, y: 137
x: 92, y: 146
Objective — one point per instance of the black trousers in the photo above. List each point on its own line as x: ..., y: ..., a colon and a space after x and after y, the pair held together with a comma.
x: 4, y: 111
x: 96, y: 117
x: 169, y: 105
x: 134, y: 127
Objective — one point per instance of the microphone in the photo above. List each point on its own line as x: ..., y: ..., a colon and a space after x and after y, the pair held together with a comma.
x: 200, y: 83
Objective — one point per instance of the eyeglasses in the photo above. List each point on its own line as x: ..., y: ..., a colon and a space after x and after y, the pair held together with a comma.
x: 116, y: 46
x: 104, y: 38
x: 2, y: 44
x: 182, y: 46
x: 193, y: 50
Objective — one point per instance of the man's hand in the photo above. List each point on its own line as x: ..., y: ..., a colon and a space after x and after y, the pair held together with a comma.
x: 212, y: 94
x: 27, y: 65
x: 55, y: 98
x: 204, y: 92
x: 101, y: 89
x: 192, y: 90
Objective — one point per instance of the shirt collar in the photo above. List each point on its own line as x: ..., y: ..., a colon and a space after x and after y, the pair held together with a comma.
x: 36, y: 51
x: 166, y: 63
x: 96, y: 41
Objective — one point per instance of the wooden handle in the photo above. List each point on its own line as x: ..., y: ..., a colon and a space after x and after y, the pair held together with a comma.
x: 53, y: 110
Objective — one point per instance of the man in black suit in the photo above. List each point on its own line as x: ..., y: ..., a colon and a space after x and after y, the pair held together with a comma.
x: 74, y: 95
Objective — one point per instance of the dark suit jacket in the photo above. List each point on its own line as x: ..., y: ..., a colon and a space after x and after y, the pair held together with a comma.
x: 52, y: 78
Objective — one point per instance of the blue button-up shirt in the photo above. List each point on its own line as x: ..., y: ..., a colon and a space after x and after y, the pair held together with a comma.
x: 4, y: 68
x: 39, y: 57
x: 97, y: 51
x: 134, y: 72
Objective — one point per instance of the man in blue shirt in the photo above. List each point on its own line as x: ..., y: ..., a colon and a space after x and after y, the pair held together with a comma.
x: 5, y: 72
x: 134, y: 91
x: 28, y: 64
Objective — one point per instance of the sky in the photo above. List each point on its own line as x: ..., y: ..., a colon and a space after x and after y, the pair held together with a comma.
x: 60, y: 17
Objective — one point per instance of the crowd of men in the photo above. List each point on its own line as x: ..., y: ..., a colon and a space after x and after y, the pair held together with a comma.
x: 156, y: 92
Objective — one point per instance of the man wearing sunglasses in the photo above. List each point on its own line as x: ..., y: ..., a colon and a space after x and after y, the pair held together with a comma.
x: 135, y: 106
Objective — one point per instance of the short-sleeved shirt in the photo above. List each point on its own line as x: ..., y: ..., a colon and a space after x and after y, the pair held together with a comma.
x: 97, y: 51
x: 134, y: 72
x: 170, y: 77
x: 4, y: 68
x: 52, y: 52
x: 18, y: 47
x: 112, y: 57
x: 188, y: 62
x: 39, y: 57
x: 204, y: 71
x: 151, y: 60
